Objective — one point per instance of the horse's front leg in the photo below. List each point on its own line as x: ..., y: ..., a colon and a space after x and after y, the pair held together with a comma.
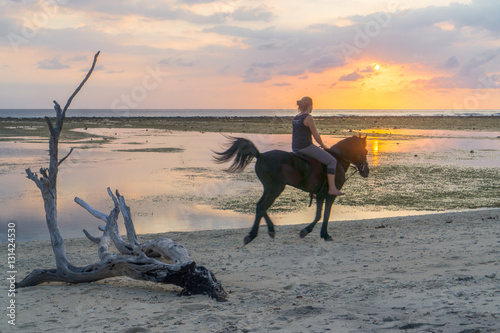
x: 319, y: 207
x: 328, y: 209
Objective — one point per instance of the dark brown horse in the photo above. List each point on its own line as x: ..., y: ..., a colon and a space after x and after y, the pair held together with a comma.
x: 278, y: 168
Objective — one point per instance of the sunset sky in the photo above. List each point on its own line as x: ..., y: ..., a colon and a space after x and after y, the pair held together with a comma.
x: 359, y: 54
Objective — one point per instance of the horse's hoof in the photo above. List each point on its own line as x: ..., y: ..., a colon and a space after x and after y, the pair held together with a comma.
x: 271, y: 234
x: 303, y: 233
x: 327, y: 238
x: 247, y: 239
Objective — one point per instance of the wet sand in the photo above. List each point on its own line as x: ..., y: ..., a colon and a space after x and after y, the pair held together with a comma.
x: 429, y: 273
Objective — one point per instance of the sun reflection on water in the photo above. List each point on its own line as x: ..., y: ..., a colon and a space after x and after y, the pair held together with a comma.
x: 374, y: 151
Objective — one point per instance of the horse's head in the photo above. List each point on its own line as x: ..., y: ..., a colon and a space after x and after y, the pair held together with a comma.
x: 353, y: 150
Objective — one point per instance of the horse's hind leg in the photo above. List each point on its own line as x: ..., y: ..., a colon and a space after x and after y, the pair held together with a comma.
x: 273, y: 194
x: 319, y: 207
x: 328, y: 209
x: 270, y: 226
x: 254, y: 231
x: 266, y: 201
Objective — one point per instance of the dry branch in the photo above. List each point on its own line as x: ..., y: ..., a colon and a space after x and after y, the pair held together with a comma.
x: 65, y: 157
x: 136, y: 259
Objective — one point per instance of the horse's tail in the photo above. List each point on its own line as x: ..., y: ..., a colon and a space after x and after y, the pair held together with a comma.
x: 242, y: 150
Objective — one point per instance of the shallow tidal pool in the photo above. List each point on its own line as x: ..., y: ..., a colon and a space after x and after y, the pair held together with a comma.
x: 171, y: 183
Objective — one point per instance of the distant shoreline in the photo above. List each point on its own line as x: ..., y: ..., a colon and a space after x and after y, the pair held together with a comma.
x: 40, y: 113
x: 329, y: 125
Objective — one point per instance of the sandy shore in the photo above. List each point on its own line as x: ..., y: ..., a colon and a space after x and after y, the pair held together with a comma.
x: 428, y: 273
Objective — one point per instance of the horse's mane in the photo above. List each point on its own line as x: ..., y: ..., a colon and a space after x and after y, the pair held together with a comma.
x: 344, y: 146
x: 345, y: 143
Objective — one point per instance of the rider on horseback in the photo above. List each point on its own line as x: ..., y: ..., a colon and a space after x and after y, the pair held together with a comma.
x: 304, y: 129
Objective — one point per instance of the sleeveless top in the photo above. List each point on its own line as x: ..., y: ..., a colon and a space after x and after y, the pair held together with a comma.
x: 301, y: 135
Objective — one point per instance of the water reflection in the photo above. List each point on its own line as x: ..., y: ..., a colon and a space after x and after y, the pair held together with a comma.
x: 160, y: 187
x: 415, y: 133
x: 373, y: 150
x: 464, y: 148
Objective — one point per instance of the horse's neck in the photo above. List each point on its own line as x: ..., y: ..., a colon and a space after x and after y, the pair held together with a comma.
x: 336, y: 152
x: 339, y: 155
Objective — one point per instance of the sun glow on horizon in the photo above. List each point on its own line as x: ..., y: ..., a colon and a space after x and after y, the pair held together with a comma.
x: 232, y: 54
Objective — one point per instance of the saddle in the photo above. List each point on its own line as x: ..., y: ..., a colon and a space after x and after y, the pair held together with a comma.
x: 308, y: 171
x: 303, y: 163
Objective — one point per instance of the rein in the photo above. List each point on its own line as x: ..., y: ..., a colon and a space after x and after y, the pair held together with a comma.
x: 352, y: 174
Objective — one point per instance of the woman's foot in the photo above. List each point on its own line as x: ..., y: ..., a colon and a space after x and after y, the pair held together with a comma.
x: 335, y: 192
x: 332, y: 187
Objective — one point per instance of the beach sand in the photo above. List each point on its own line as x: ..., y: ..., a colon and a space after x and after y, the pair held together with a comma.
x: 427, y: 273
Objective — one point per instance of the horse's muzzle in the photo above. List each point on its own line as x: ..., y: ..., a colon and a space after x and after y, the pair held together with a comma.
x: 364, y: 170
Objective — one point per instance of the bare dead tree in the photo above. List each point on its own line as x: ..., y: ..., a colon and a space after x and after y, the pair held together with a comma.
x: 136, y: 260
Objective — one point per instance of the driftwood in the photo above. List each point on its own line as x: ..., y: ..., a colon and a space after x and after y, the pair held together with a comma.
x: 135, y: 261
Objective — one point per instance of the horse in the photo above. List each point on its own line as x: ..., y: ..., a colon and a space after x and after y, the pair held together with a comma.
x: 277, y: 168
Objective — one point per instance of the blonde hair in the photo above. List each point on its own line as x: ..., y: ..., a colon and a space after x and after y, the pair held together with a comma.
x: 304, y: 103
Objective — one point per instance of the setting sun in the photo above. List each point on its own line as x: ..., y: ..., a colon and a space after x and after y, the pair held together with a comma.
x: 376, y: 66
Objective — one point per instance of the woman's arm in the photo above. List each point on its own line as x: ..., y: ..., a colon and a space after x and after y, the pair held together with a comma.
x: 309, y: 122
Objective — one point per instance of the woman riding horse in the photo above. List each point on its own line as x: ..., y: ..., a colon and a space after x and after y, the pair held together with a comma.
x: 277, y: 168
x: 304, y: 129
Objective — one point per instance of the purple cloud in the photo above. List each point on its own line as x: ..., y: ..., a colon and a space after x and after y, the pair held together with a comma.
x: 354, y: 76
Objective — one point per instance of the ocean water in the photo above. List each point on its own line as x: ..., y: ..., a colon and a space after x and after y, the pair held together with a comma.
x: 39, y: 113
